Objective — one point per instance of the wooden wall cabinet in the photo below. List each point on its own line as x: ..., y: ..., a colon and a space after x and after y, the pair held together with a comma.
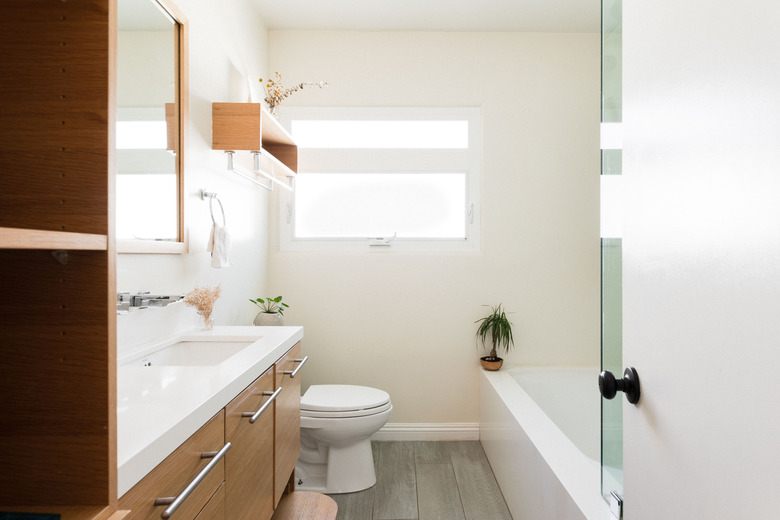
x: 58, y: 319
x: 248, y: 126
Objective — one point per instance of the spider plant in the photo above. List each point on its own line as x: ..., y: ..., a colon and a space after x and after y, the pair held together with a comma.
x: 498, y: 329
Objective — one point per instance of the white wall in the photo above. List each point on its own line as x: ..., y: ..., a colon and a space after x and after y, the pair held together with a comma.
x: 228, y: 55
x: 405, y: 322
x: 701, y: 253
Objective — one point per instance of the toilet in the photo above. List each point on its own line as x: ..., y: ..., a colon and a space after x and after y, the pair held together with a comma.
x: 337, y: 422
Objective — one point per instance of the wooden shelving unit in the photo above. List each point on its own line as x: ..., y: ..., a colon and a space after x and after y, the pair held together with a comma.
x: 57, y: 316
x: 249, y: 126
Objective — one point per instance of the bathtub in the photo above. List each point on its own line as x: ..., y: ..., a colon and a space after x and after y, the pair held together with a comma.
x: 544, y: 473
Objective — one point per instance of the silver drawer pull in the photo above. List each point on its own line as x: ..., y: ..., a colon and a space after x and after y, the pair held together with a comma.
x: 255, y: 415
x: 173, y: 503
x: 293, y: 373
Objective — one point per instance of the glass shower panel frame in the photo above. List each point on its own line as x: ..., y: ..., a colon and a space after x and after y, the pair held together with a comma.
x: 612, y: 360
x: 611, y: 245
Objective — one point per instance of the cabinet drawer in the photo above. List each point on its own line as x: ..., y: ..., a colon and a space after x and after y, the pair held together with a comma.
x: 176, y: 472
x: 249, y: 466
x: 288, y: 419
x: 215, y: 509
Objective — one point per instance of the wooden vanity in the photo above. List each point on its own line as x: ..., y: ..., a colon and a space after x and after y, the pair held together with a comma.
x: 255, y: 436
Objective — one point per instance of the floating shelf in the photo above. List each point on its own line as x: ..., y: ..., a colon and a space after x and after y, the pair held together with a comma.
x: 250, y: 127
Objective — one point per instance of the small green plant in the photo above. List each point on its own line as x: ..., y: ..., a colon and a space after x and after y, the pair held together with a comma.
x: 270, y: 305
x: 496, y: 328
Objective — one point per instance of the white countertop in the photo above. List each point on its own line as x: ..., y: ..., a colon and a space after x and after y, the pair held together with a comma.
x: 160, y: 407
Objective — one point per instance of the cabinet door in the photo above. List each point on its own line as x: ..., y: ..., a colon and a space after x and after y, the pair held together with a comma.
x: 288, y: 420
x: 249, y: 463
x: 173, y: 475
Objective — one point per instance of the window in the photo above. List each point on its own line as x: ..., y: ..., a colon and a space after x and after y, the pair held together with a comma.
x: 393, y: 178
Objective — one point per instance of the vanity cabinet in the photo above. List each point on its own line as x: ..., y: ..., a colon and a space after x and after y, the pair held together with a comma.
x: 57, y: 321
x: 262, y: 427
x: 250, y: 462
x: 177, y: 471
x: 287, y: 438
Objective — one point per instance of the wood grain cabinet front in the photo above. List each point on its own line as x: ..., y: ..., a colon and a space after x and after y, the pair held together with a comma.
x: 177, y: 472
x: 288, y: 419
x: 249, y: 466
x: 215, y: 509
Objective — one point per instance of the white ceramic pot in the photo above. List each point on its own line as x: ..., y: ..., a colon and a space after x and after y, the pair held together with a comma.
x: 265, y: 319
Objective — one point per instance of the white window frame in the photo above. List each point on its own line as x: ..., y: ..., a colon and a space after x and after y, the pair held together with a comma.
x: 408, y: 160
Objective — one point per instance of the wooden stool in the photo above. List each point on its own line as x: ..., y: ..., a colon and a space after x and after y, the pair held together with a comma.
x: 305, y: 505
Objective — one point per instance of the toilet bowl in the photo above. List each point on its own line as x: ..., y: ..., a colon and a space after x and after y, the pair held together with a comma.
x: 337, y: 422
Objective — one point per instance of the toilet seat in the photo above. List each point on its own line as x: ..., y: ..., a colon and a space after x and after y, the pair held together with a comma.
x: 337, y: 401
x: 345, y: 414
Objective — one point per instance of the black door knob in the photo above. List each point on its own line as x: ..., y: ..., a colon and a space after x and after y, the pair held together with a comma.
x: 609, y: 386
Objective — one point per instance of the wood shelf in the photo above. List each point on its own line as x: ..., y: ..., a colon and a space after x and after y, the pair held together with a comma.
x: 72, y: 512
x: 16, y: 238
x: 250, y: 127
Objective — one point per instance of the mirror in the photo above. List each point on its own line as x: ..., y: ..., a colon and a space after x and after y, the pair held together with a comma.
x: 151, y: 105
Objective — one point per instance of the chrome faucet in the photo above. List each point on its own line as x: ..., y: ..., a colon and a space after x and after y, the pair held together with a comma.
x: 143, y: 299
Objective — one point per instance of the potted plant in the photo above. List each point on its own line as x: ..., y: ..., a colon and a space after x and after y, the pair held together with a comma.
x: 271, y: 311
x: 497, y: 329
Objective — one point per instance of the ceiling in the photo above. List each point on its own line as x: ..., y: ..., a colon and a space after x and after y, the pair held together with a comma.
x: 432, y: 15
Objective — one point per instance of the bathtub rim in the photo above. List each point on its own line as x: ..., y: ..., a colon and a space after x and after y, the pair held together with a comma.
x: 579, y: 475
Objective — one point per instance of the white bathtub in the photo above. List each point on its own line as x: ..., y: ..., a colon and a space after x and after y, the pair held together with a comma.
x: 544, y: 473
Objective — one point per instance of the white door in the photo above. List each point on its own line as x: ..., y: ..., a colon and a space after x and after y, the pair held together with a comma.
x: 701, y: 252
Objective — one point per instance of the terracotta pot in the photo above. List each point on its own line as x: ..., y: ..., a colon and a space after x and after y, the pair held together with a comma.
x: 266, y: 319
x: 491, y: 363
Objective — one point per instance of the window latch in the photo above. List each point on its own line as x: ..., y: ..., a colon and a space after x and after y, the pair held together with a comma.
x: 381, y: 241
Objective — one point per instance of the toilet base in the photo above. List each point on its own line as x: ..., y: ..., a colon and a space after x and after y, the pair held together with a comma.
x: 344, y: 469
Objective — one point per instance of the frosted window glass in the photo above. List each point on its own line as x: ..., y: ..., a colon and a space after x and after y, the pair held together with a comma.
x: 380, y: 134
x: 141, y: 135
x: 143, y: 206
x: 411, y: 205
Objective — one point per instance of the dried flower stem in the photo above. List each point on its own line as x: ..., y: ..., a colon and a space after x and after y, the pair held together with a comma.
x: 202, y: 299
x: 275, y: 93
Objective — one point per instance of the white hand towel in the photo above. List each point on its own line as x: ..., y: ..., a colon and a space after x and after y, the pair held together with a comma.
x: 219, y: 247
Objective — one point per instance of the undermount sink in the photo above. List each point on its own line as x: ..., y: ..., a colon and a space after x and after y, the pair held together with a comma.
x: 193, y: 353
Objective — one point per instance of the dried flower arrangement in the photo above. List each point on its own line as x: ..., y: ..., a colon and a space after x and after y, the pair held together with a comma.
x: 202, y: 299
x: 275, y: 92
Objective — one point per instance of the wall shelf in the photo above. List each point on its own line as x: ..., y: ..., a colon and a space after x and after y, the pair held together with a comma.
x: 250, y: 127
x: 15, y: 238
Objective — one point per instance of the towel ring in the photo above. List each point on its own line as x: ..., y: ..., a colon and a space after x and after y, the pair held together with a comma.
x: 211, y: 210
x: 211, y: 196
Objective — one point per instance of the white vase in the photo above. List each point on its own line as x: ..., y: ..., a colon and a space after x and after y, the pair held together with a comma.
x: 266, y: 319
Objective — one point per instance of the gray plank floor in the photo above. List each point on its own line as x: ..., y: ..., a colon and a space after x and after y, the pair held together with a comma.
x: 427, y: 481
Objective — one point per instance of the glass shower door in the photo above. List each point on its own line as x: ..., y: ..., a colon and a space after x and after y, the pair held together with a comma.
x: 611, y: 242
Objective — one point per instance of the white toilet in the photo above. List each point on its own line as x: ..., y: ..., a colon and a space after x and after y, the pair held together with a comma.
x: 337, y: 422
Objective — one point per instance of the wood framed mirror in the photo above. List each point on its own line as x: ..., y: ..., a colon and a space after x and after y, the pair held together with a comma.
x: 151, y: 115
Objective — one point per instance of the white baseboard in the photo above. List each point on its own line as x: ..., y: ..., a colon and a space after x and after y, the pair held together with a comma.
x: 428, y: 432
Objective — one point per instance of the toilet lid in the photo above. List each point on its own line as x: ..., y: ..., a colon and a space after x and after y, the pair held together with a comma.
x: 310, y: 414
x: 342, y: 398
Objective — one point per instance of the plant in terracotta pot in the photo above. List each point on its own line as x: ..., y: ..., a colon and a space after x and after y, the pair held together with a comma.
x: 495, y: 330
x: 271, y: 311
